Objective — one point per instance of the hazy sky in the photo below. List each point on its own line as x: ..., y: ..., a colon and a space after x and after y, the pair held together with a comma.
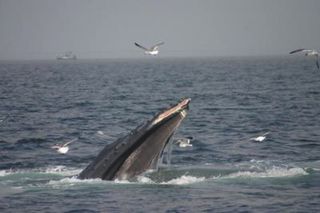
x: 42, y: 29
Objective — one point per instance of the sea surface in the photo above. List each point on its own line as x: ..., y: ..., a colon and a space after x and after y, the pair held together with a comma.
x: 97, y: 101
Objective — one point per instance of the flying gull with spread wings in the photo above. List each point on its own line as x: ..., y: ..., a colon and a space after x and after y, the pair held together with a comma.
x: 312, y: 53
x: 154, y: 50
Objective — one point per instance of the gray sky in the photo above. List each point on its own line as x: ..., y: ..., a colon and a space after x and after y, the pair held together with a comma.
x: 42, y: 29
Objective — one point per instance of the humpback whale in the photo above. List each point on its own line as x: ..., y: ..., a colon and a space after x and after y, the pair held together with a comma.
x: 138, y: 151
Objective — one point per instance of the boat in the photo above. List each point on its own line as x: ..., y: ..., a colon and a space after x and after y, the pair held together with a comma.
x: 67, y: 56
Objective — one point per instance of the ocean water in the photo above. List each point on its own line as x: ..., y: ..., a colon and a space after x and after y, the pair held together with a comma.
x: 97, y: 101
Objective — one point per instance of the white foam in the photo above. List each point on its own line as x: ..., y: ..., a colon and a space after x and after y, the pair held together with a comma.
x: 61, y: 170
x: 273, y: 172
x: 140, y: 179
x: 10, y: 172
x: 122, y: 181
x: 3, y: 173
x: 143, y: 179
x: 184, y: 179
x: 74, y: 180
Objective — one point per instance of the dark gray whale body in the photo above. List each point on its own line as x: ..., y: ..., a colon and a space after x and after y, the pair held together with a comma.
x: 138, y: 151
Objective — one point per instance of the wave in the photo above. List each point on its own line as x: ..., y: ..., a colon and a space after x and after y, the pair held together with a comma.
x: 57, y: 170
x: 270, y: 173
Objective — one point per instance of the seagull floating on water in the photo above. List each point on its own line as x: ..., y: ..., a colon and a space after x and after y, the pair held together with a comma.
x: 3, y: 119
x: 184, y: 142
x: 63, y: 148
x: 154, y: 50
x: 312, y: 53
x: 260, y: 138
x: 101, y: 134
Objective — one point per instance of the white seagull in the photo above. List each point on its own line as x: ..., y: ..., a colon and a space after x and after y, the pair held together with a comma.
x: 3, y: 119
x: 101, y: 134
x: 260, y: 138
x: 63, y: 148
x: 307, y: 52
x: 184, y: 142
x: 154, y: 50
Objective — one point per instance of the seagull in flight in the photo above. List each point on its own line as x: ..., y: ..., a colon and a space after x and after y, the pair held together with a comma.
x: 260, y: 138
x: 312, y: 53
x: 184, y: 142
x: 63, y: 148
x: 154, y: 50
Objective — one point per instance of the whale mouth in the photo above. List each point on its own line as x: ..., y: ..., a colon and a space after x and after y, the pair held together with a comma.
x: 179, y: 108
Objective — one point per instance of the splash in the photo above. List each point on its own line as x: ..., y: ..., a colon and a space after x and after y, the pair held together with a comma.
x: 3, y: 173
x: 184, y: 180
x: 122, y: 181
x: 74, y: 180
x: 143, y: 179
